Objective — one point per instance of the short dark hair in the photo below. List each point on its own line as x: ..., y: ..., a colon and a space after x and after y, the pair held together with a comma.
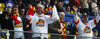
x: 93, y: 0
x: 15, y: 7
x: 8, y: 7
x: 85, y: 16
x: 95, y: 30
x: 28, y: 4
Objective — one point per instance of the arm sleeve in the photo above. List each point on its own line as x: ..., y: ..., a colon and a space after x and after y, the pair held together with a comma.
x: 29, y: 18
x: 95, y: 21
x: 52, y: 28
x: 54, y: 15
x: 48, y: 19
x: 76, y: 20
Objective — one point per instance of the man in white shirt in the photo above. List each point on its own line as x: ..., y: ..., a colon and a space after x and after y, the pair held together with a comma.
x: 85, y: 27
x: 40, y: 22
x: 17, y: 23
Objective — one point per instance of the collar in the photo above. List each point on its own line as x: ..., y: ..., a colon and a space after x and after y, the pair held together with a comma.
x: 39, y: 14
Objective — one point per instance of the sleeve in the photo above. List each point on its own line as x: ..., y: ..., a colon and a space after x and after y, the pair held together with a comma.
x: 29, y: 18
x: 54, y: 15
x: 48, y: 19
x: 30, y: 13
x: 52, y: 28
x: 76, y: 20
x: 95, y: 21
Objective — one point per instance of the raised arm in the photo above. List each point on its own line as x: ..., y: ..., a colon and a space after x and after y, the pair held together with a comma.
x: 76, y: 18
x: 54, y: 27
x: 95, y: 21
x: 30, y: 13
x: 53, y: 17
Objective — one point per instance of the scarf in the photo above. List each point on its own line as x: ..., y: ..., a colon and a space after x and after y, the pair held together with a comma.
x: 14, y: 17
x: 63, y: 29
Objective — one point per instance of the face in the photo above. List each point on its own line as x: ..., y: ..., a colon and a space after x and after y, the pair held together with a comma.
x: 39, y: 9
x: 60, y: 4
x: 62, y: 16
x: 85, y: 19
x: 68, y: 8
x: 96, y: 1
x: 9, y: 10
x: 96, y: 33
x: 22, y: 11
x: 19, y: 1
x: 14, y: 10
x: 48, y: 2
x: 55, y: 2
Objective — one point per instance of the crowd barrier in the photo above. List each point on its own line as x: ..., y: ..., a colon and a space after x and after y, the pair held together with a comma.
x: 7, y: 33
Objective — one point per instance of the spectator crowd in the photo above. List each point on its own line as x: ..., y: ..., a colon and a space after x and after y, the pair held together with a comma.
x: 85, y: 7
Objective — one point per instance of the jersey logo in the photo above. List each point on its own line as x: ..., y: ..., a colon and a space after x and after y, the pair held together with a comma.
x: 40, y: 23
x: 87, y: 30
x: 18, y: 25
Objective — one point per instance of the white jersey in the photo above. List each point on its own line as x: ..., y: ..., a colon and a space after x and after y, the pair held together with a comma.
x: 40, y: 24
x: 85, y: 30
x: 18, y: 27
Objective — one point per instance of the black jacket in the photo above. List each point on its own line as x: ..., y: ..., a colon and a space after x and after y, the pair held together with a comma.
x: 6, y: 24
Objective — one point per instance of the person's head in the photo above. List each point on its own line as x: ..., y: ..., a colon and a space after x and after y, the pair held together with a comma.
x: 55, y: 2
x: 95, y: 32
x: 28, y: 5
x: 68, y: 8
x: 39, y: 2
x: 22, y: 11
x: 62, y: 15
x: 94, y: 1
x: 19, y: 1
x: 39, y: 8
x: 67, y: 32
x: 9, y: 9
x: 60, y: 4
x: 47, y: 1
x: 14, y: 9
x: 85, y: 18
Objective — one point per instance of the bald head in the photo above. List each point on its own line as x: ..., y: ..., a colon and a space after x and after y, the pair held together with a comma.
x: 62, y: 15
x: 39, y: 5
x: 39, y: 8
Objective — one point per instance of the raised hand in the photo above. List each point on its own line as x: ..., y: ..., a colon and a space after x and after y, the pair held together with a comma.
x: 27, y: 26
x: 75, y: 9
x: 6, y: 17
